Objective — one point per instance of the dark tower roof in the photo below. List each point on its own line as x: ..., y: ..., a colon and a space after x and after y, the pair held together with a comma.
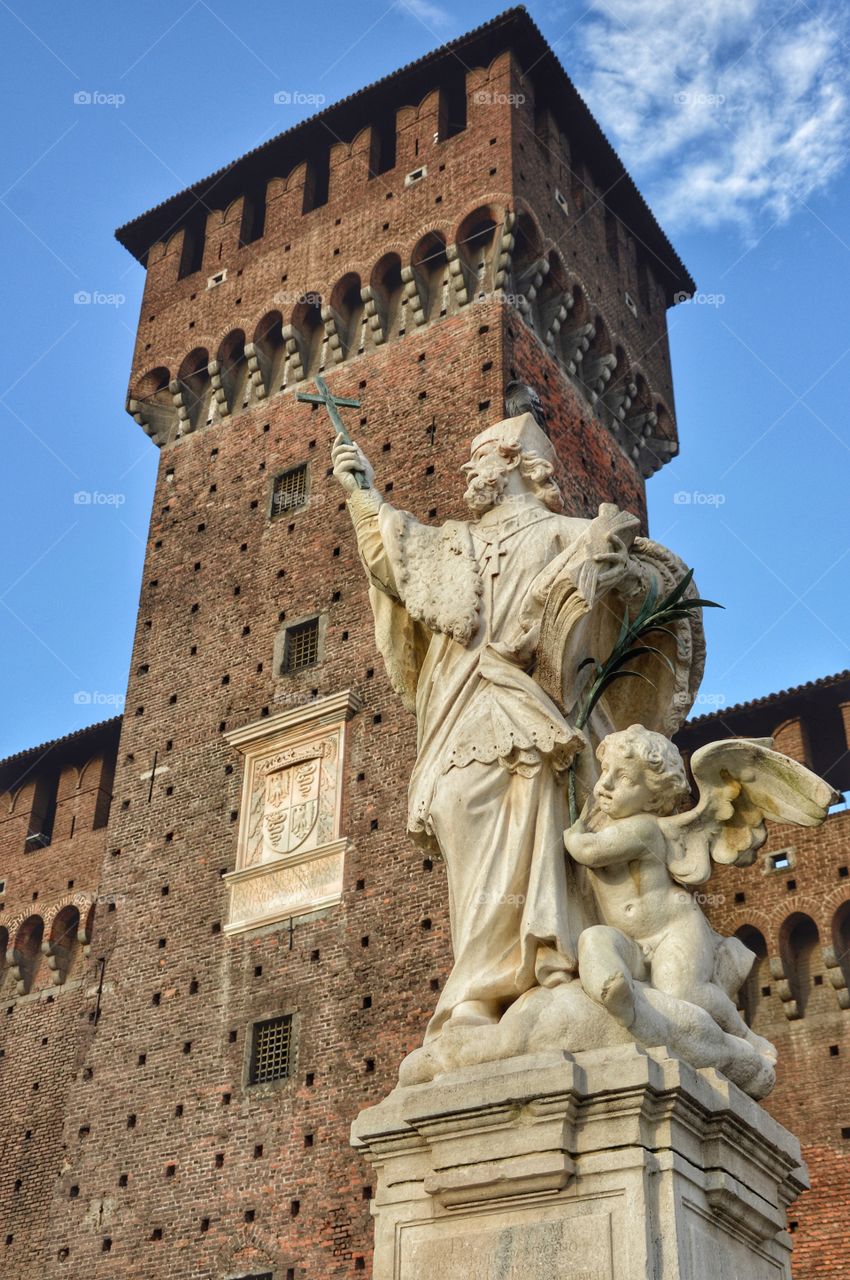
x: 343, y: 120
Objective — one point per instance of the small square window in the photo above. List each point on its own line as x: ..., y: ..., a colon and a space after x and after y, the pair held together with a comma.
x: 780, y: 861
x: 271, y: 1050
x: 301, y: 646
x: 289, y: 491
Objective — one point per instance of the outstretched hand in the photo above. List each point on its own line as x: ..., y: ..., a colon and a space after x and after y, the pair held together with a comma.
x: 347, y: 460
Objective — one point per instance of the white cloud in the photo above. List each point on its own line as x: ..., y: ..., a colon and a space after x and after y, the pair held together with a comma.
x: 428, y: 13
x: 725, y: 110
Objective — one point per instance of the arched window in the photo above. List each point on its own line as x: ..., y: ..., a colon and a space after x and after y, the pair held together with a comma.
x: 4, y: 967
x: 267, y: 356
x: 62, y: 943
x: 152, y: 404
x: 576, y: 334
x: 841, y: 939
x: 347, y: 308
x: 599, y: 362
x: 476, y: 243
x: 554, y: 303
x: 429, y: 263
x: 621, y: 389
x: 230, y: 377
x: 308, y: 330
x: 756, y: 989
x: 386, y: 289
x: 195, y: 391
x: 26, y: 953
x: 802, y: 958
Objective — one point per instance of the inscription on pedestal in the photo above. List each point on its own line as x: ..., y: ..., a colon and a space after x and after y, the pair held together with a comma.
x: 508, y: 1246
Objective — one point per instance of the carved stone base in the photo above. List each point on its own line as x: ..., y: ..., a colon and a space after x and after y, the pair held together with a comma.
x: 616, y: 1164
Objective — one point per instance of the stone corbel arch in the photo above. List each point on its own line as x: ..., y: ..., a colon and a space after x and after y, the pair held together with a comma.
x: 192, y: 390
x: 477, y: 244
x: 577, y: 334
x: 24, y: 949
x: 835, y: 911
x: 229, y: 373
x: 304, y: 336
x: 522, y: 266
x: 554, y: 301
x: 266, y: 355
x: 384, y: 296
x: 426, y: 276
x: 67, y: 925
x: 659, y: 444
x: 344, y: 317
x: 151, y: 403
x: 621, y: 390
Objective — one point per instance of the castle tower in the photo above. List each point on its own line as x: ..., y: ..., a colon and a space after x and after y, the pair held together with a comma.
x: 795, y: 916
x: 456, y: 225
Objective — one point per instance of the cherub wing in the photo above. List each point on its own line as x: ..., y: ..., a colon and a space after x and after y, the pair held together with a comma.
x: 741, y: 782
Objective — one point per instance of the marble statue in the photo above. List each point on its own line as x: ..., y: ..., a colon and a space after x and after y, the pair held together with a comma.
x: 487, y: 627
x: 641, y: 856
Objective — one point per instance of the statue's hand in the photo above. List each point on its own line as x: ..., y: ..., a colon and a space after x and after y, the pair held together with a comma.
x: 612, y: 564
x: 347, y: 460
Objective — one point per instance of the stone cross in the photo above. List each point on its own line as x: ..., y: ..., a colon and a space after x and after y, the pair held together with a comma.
x: 332, y: 404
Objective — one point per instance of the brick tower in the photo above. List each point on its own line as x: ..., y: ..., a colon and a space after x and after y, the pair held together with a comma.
x: 458, y: 224
x: 792, y: 908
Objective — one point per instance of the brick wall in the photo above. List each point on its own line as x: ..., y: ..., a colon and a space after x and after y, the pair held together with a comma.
x: 792, y: 907
x: 47, y: 1001
x: 171, y: 1166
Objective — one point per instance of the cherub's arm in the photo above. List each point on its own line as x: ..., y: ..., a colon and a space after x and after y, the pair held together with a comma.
x: 620, y: 841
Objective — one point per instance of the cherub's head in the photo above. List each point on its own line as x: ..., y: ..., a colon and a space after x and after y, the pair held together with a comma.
x: 642, y: 772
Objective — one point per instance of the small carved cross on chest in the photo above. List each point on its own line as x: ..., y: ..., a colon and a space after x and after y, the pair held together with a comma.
x: 491, y: 567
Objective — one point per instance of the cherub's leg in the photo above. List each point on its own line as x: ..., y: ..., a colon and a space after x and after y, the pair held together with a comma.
x: 691, y: 1033
x: 682, y: 967
x: 608, y: 963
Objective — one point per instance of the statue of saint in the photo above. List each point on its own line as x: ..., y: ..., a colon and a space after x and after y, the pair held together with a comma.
x: 483, y: 625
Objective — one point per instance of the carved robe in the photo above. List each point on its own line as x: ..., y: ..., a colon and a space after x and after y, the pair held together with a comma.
x: 457, y: 620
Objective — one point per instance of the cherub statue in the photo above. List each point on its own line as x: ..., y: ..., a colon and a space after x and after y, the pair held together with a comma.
x: 638, y: 852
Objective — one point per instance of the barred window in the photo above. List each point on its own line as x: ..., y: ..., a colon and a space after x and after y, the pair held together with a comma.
x: 271, y: 1050
x: 301, y: 646
x: 289, y: 491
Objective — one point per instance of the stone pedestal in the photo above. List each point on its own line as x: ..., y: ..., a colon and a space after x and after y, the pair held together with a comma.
x: 616, y: 1164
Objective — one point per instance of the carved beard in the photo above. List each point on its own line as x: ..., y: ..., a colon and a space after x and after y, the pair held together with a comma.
x: 486, y: 485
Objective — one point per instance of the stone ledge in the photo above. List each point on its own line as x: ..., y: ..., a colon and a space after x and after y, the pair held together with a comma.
x: 691, y: 1176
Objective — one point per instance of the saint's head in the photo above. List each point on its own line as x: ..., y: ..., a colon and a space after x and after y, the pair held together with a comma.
x: 510, y: 460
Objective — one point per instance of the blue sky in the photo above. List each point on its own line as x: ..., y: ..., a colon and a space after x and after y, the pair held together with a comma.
x: 734, y: 117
